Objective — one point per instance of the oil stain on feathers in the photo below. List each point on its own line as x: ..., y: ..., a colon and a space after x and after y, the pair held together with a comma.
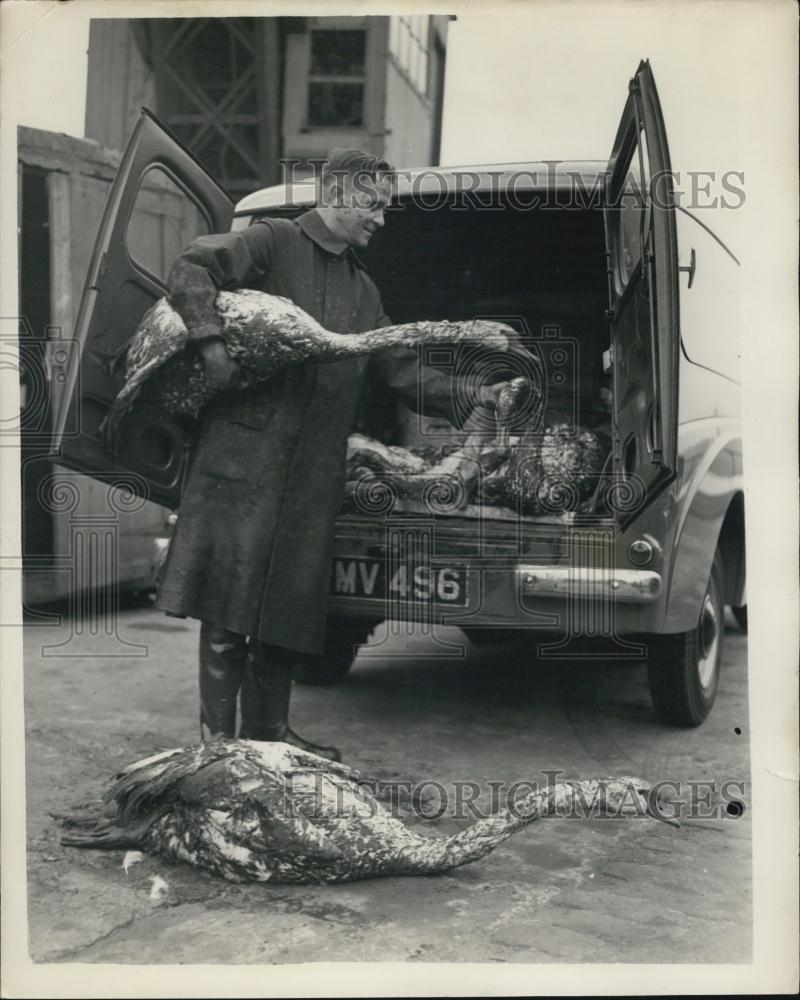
x: 264, y: 333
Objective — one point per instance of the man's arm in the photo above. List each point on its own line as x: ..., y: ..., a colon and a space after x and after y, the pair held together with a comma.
x: 442, y: 395
x: 207, y: 265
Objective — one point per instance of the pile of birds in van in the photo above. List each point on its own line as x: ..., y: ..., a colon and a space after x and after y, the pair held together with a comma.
x: 548, y: 469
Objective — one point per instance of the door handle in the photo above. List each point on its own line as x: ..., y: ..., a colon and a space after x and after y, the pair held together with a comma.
x: 690, y: 267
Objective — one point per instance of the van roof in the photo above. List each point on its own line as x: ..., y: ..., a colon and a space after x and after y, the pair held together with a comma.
x: 548, y: 175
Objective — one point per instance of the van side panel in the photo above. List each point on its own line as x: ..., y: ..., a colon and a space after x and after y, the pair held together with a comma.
x: 710, y: 476
x: 710, y: 325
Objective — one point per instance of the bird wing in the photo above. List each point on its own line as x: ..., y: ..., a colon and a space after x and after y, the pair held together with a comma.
x: 284, y: 829
x: 160, y: 335
x: 290, y: 759
x: 246, y: 782
x: 145, y: 784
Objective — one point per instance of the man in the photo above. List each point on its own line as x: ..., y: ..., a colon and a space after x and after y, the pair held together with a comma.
x: 252, y: 552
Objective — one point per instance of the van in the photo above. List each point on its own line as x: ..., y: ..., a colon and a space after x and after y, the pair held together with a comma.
x: 625, y: 302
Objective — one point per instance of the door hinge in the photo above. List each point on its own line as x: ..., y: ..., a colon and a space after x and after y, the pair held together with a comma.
x: 610, y: 312
x: 608, y: 359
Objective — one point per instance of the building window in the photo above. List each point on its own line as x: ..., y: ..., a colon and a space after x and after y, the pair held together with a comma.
x: 336, y: 79
x: 408, y: 44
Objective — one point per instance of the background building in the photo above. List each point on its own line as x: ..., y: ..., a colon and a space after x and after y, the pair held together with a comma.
x: 243, y: 93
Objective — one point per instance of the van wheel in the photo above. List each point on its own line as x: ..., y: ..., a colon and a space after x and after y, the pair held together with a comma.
x: 334, y: 664
x: 683, y: 669
x: 740, y: 614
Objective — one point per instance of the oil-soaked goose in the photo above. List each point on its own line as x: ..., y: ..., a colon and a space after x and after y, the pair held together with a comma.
x: 264, y: 333
x: 259, y: 812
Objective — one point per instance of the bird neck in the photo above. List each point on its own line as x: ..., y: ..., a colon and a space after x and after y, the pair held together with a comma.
x: 574, y: 798
x: 443, y: 853
x: 543, y: 802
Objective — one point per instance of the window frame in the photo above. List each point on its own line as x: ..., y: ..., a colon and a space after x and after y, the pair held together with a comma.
x: 303, y: 74
x: 180, y: 188
x: 312, y: 78
x: 309, y: 143
x: 403, y: 32
x: 624, y: 275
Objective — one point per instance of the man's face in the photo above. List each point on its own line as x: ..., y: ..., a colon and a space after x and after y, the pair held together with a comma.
x: 358, y: 204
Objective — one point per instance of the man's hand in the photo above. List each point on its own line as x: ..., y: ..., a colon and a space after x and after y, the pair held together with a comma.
x: 508, y: 399
x: 489, y: 395
x: 219, y: 368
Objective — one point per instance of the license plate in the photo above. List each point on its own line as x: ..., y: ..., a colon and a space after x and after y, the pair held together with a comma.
x: 354, y: 576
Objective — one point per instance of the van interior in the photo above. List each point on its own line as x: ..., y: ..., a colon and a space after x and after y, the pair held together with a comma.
x: 541, y: 270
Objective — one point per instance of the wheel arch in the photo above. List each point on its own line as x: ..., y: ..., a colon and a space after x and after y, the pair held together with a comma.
x: 713, y: 516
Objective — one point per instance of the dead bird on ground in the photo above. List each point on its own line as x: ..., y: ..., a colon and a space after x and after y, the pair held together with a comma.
x: 258, y: 812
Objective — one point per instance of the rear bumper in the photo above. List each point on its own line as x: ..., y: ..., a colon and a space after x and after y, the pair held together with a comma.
x: 625, y: 585
x: 564, y: 599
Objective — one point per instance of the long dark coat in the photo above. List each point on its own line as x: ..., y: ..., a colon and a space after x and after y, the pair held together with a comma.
x: 253, y: 545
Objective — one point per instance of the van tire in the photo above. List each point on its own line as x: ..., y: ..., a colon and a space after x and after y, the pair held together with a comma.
x: 334, y: 664
x: 683, y: 669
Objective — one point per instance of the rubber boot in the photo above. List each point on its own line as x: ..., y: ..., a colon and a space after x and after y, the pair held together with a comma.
x: 222, y: 662
x: 266, y: 694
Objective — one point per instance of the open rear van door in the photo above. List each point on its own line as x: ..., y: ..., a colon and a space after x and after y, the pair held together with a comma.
x: 641, y: 242
x: 161, y: 199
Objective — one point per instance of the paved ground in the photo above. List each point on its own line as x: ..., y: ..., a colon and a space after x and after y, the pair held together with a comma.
x: 559, y: 891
